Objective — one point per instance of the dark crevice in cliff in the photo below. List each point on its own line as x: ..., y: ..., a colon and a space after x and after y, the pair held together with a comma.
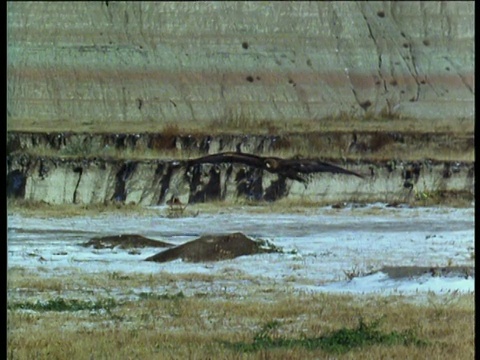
x: 79, y: 171
x: 462, y: 78
x: 163, y: 179
x: 122, y: 176
x: 205, y: 186
x: 16, y: 181
x: 249, y: 183
x: 379, y: 51
x: 411, y: 175
x: 277, y: 189
x: 43, y: 169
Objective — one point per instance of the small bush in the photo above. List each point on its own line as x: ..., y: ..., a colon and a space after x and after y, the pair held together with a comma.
x: 339, y: 341
x: 353, y: 273
x: 154, y: 296
x: 79, y: 147
x: 60, y: 304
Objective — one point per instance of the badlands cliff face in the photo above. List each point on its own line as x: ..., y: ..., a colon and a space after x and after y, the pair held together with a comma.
x: 224, y: 69
x: 113, y: 168
x: 164, y: 62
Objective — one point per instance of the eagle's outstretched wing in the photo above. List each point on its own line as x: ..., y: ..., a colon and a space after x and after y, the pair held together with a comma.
x: 229, y: 157
x: 290, y: 168
x: 308, y: 166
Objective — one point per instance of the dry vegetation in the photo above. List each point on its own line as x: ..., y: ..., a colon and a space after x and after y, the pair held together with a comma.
x: 42, y: 209
x: 100, y: 316
x: 285, y: 205
x: 327, y: 138
x: 242, y: 122
x: 378, y: 150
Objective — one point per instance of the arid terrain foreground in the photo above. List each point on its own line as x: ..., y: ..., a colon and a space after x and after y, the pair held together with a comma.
x: 121, y: 247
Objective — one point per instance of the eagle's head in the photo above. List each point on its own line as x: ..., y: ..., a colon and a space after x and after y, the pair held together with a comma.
x: 271, y: 164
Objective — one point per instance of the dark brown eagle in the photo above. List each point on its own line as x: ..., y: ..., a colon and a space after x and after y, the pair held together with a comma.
x: 289, y: 168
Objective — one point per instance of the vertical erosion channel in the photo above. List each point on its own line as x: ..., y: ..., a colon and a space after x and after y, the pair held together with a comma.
x: 79, y: 171
x: 121, y: 178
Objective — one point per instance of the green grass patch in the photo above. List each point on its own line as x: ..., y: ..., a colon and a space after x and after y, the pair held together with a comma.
x: 337, y: 342
x: 60, y: 305
x: 152, y: 296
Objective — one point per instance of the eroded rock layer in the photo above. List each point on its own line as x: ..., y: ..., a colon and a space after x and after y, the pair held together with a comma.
x: 104, y: 64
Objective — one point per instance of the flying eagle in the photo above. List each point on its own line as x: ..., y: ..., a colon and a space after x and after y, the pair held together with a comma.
x: 289, y: 168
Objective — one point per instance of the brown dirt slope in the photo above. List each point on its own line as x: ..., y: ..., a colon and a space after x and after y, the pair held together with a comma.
x: 211, y: 248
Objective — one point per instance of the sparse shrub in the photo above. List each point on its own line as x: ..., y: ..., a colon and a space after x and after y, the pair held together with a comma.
x: 171, y: 130
x: 78, y: 147
x: 60, y: 304
x: 154, y: 296
x: 337, y: 342
x: 353, y: 273
x: 176, y: 210
x: 166, y: 139
x: 379, y: 140
x: 389, y: 111
x: 271, y: 247
x: 280, y: 143
x: 269, y: 127
x: 118, y: 276
x: 237, y: 119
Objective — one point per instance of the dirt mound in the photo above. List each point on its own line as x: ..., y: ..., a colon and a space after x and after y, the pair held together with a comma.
x: 211, y: 248
x: 124, y: 241
x: 398, y: 272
